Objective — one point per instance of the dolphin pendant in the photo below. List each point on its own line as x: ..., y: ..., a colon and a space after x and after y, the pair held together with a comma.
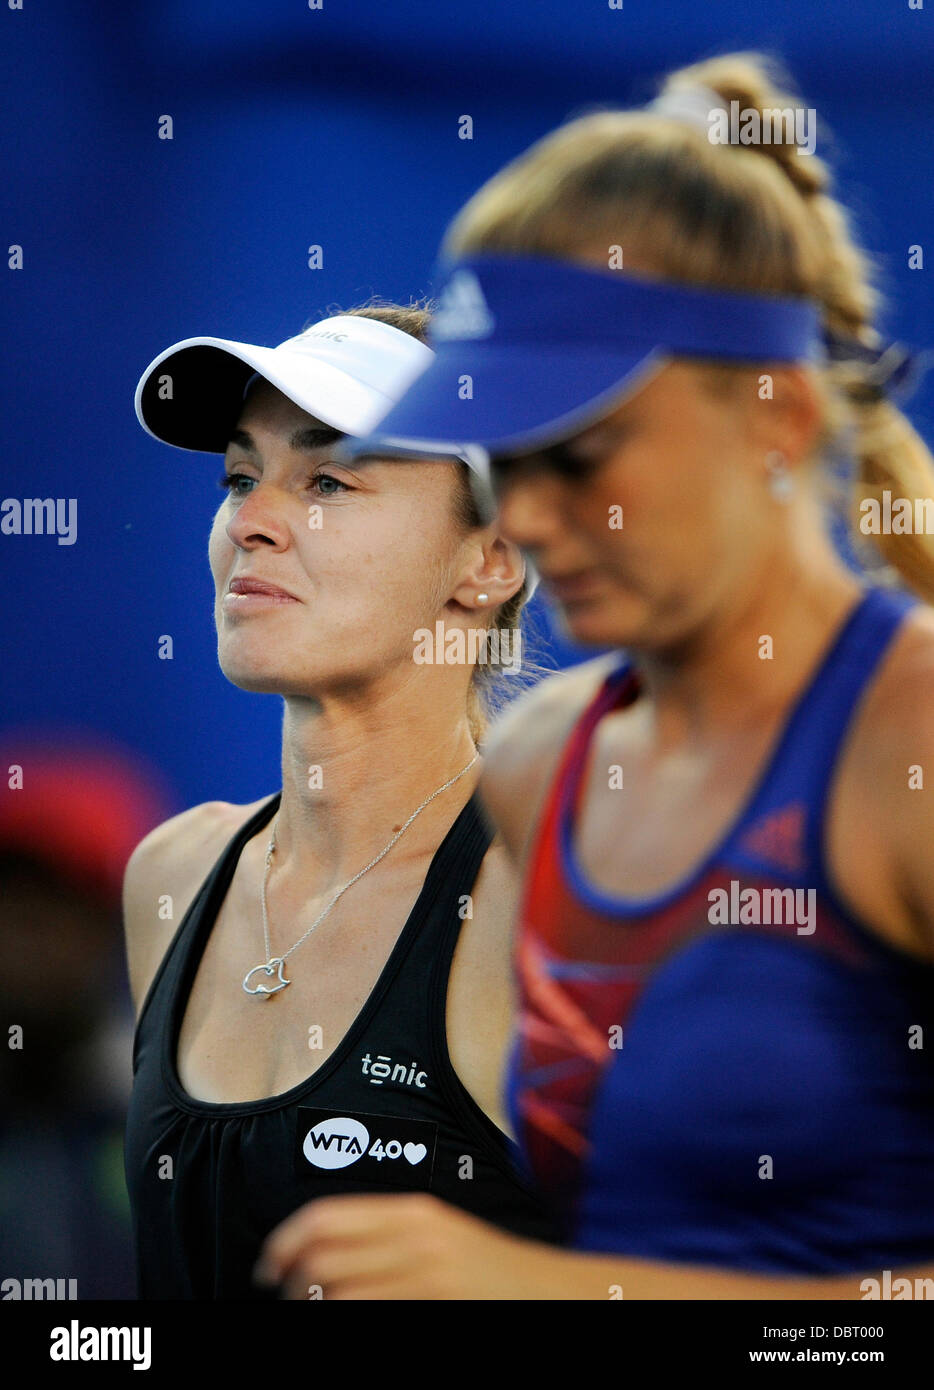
x: 275, y: 965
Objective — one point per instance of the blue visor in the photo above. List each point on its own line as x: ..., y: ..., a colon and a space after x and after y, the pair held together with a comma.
x: 530, y: 350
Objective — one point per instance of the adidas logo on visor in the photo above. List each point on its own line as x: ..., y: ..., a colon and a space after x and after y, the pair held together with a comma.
x: 462, y: 311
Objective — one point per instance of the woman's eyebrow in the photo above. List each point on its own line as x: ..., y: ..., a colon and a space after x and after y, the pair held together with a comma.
x: 314, y: 437
x: 607, y: 432
x: 242, y: 440
x: 308, y: 437
x: 566, y: 453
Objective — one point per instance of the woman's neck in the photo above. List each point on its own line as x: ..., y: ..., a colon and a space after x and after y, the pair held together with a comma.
x: 752, y: 657
x: 352, y: 775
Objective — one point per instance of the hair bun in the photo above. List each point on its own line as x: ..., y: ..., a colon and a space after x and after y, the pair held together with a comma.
x: 759, y: 84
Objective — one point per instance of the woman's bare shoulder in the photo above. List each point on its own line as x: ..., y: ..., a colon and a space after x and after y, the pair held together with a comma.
x: 184, y: 837
x: 163, y: 875
x: 524, y: 745
x: 899, y: 710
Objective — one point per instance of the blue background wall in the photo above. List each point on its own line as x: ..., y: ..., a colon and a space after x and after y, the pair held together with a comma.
x: 294, y: 127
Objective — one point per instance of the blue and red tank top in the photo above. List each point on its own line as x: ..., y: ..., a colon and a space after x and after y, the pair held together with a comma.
x: 737, y: 1071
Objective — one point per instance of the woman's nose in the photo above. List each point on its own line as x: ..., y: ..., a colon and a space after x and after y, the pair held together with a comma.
x: 260, y: 518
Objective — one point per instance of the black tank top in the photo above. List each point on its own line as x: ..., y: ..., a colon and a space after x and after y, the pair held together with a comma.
x: 385, y: 1113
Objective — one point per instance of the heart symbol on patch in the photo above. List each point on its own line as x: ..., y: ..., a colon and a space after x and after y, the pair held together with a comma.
x: 415, y: 1153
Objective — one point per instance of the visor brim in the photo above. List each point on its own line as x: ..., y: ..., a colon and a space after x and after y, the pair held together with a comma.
x: 207, y: 377
x: 507, y: 400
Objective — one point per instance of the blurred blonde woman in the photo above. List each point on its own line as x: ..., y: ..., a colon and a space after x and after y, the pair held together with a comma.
x: 722, y: 1078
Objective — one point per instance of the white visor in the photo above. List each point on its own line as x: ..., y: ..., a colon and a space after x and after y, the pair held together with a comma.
x: 347, y: 371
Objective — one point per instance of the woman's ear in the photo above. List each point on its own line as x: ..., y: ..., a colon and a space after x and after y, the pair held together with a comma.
x: 495, y: 572
x: 787, y: 419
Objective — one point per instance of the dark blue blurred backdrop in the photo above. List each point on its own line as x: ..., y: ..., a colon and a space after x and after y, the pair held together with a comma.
x: 295, y: 126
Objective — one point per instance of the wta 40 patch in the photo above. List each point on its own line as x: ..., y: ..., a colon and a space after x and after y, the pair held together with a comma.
x: 371, y: 1148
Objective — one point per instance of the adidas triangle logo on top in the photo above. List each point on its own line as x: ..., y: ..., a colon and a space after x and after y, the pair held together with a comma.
x: 462, y: 311
x: 778, y: 838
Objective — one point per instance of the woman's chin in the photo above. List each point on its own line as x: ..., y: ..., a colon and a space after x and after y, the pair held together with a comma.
x: 603, y: 623
x: 259, y: 682
x: 253, y: 670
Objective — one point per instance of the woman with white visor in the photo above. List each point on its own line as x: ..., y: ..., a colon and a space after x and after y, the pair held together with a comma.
x: 325, y: 1005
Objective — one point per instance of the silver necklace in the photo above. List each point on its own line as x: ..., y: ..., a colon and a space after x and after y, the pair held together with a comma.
x: 275, y: 964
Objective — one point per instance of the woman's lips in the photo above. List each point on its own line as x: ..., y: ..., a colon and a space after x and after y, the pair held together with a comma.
x: 573, y: 587
x: 246, y: 594
x: 246, y: 602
